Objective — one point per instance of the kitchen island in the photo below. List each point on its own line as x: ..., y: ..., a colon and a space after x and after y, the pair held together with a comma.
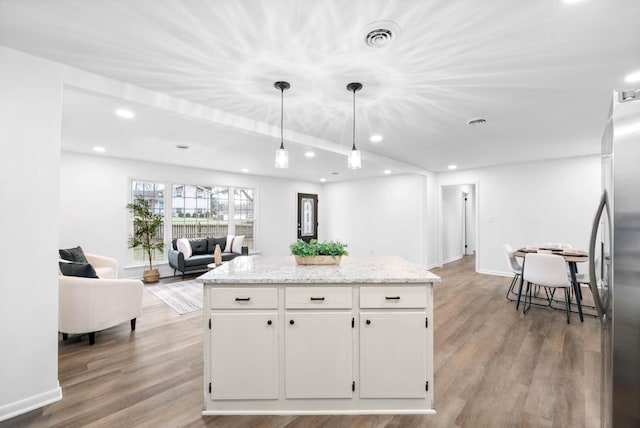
x: 354, y: 338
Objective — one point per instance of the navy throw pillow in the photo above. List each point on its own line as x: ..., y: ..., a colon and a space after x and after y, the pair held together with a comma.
x: 212, y: 244
x: 220, y: 241
x: 78, y: 269
x: 198, y: 246
x: 73, y: 255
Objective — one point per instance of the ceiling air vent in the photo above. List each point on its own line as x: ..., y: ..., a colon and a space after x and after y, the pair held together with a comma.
x: 629, y: 95
x: 478, y: 121
x: 380, y: 33
x: 379, y: 38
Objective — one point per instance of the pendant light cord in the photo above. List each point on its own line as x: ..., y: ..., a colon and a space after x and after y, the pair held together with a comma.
x: 354, y: 119
x: 281, y: 117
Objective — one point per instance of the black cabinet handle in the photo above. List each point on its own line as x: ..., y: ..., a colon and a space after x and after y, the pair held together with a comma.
x: 292, y: 322
x: 269, y: 322
x: 317, y: 298
x: 392, y: 297
x: 243, y: 299
x: 368, y: 322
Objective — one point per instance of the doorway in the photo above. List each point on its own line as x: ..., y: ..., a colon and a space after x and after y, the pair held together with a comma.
x: 458, y: 221
x: 307, y: 216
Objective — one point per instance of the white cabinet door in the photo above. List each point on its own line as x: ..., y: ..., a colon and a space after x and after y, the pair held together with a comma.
x: 393, y: 355
x: 244, y: 355
x: 318, y: 354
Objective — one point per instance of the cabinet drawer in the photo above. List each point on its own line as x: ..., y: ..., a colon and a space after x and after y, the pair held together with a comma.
x: 241, y: 298
x: 394, y: 297
x: 318, y: 297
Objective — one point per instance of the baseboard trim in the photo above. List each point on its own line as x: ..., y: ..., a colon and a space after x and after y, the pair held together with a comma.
x: 319, y: 412
x: 452, y: 259
x: 495, y: 273
x: 25, y: 405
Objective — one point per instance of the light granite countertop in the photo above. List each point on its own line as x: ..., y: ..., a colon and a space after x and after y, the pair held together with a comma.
x: 352, y: 269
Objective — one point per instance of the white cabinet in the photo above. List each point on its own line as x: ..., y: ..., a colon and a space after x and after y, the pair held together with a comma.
x: 393, y: 297
x: 288, y: 348
x: 318, y: 298
x: 394, y: 335
x: 243, y: 346
x: 244, y: 298
x: 318, y: 357
x: 393, y: 354
x: 318, y: 342
x: 244, y: 355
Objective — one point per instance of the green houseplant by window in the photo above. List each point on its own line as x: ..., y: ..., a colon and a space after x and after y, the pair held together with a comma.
x: 146, y: 226
x: 318, y: 253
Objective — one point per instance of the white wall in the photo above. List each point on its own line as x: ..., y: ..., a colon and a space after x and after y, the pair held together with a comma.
x: 378, y: 216
x: 95, y: 191
x: 432, y: 244
x: 470, y: 220
x: 531, y: 203
x: 30, y: 108
x: 452, y: 222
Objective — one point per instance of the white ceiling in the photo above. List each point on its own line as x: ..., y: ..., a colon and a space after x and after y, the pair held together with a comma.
x: 540, y: 72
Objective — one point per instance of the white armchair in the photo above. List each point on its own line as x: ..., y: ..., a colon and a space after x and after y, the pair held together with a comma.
x: 88, y: 305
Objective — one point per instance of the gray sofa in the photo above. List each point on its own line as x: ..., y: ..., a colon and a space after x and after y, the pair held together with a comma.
x: 201, y: 254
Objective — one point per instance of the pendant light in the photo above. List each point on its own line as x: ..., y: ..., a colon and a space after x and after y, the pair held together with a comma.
x: 354, y: 161
x: 282, y: 156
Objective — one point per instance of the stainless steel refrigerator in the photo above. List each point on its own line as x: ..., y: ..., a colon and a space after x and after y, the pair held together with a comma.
x: 615, y: 263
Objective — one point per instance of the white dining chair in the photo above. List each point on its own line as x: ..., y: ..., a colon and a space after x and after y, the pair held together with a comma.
x: 556, y: 245
x: 583, y: 278
x: 516, y: 269
x: 549, y: 271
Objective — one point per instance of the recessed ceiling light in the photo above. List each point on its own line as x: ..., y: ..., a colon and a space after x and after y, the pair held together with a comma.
x: 309, y: 154
x: 124, y: 113
x: 477, y: 121
x: 99, y: 149
x: 452, y: 167
x: 245, y: 170
x: 375, y: 138
x: 633, y: 77
x: 387, y: 171
x: 322, y: 180
x: 182, y: 146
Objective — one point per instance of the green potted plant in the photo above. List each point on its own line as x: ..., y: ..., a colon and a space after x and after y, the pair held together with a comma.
x: 318, y: 253
x: 146, y: 226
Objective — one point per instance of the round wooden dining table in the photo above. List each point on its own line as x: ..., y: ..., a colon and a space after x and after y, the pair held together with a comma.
x: 572, y: 257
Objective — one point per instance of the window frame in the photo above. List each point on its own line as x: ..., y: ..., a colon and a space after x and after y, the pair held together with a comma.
x: 167, y: 209
x: 131, y: 254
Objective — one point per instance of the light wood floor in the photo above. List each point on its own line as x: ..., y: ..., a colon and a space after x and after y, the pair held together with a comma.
x: 494, y: 367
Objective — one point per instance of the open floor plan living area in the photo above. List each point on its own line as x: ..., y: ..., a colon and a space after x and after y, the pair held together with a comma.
x: 320, y: 214
x: 493, y: 366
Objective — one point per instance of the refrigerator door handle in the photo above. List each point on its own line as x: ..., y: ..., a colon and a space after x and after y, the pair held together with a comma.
x: 593, y: 281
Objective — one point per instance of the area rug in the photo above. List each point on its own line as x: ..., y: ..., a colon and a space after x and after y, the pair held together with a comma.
x: 183, y: 297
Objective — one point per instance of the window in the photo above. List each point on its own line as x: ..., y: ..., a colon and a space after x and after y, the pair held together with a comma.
x: 152, y: 192
x: 243, y: 213
x: 199, y: 211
